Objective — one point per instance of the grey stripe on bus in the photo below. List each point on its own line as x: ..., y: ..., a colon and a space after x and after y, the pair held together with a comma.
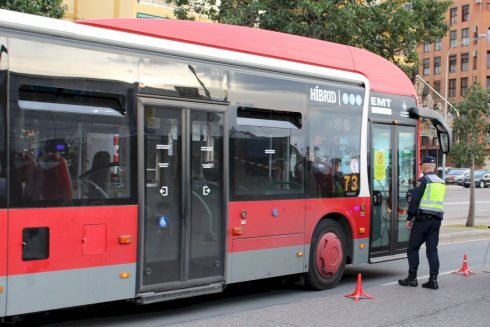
x: 3, y: 296
x: 66, y: 288
x: 253, y: 265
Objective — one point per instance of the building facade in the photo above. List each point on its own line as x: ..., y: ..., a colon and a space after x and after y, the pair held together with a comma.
x: 452, y: 64
x: 93, y: 9
x: 461, y: 57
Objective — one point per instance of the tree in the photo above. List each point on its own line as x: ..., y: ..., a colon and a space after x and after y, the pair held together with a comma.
x: 470, y: 129
x: 49, y: 8
x: 387, y: 28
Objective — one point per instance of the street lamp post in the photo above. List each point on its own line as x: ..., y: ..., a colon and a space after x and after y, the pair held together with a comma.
x: 446, y: 94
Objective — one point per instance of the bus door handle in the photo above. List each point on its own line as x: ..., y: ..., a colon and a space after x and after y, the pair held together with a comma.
x: 377, y: 198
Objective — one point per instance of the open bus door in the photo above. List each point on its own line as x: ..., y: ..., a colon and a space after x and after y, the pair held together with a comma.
x: 394, y: 174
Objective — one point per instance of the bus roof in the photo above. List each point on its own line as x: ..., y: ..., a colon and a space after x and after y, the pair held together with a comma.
x: 383, y: 75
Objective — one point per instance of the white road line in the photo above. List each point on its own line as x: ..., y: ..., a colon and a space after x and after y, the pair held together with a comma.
x: 466, y: 202
x: 421, y: 277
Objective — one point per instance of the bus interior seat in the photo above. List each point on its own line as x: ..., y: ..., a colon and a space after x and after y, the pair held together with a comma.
x: 56, y: 181
x: 101, y: 173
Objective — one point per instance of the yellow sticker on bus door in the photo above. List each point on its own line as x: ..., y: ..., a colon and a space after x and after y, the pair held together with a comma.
x: 379, y: 165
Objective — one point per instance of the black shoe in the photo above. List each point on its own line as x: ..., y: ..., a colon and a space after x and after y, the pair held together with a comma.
x: 432, y: 284
x: 408, y: 282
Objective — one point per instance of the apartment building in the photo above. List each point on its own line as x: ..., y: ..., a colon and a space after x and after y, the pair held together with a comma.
x: 453, y: 63
x: 91, y: 9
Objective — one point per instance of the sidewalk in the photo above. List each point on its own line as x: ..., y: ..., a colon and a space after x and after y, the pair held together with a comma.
x: 450, y: 233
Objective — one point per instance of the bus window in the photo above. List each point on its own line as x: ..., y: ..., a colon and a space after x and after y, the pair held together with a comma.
x: 69, y: 147
x: 334, y: 153
x: 267, y: 158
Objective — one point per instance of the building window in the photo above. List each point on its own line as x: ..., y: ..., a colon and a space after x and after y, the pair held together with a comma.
x: 427, y: 46
x: 453, y: 39
x: 488, y: 82
x: 465, y: 37
x: 437, y: 65
x: 438, y: 44
x: 437, y: 86
x: 465, y: 14
x: 475, y: 59
x: 452, y: 63
x: 453, y: 16
x: 426, y: 67
x: 464, y: 86
x: 452, y: 88
x: 488, y: 59
x: 465, y: 61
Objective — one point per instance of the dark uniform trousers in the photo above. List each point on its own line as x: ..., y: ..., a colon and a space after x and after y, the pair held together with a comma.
x: 426, y: 229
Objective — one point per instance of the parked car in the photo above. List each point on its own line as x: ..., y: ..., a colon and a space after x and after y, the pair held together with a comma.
x: 460, y: 178
x: 482, y: 178
x: 447, y: 170
x: 451, y: 176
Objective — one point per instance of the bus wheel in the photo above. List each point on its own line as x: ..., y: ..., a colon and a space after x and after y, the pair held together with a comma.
x: 327, y: 256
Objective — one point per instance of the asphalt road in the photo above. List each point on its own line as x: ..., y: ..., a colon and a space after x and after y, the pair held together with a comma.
x: 456, y: 205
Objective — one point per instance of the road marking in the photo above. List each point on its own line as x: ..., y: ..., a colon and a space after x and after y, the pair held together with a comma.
x: 466, y: 202
x: 421, y: 277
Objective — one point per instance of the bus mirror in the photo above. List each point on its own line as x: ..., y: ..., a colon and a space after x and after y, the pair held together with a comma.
x: 443, y: 141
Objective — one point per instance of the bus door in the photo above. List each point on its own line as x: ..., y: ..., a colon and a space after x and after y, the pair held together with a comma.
x: 393, y: 176
x: 181, y: 195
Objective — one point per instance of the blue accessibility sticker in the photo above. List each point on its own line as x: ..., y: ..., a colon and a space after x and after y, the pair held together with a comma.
x: 163, y: 221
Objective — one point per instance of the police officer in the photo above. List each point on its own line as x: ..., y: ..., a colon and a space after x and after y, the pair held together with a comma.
x: 425, y: 213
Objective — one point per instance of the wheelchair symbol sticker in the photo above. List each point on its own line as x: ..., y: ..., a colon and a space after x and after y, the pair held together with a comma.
x: 163, y: 221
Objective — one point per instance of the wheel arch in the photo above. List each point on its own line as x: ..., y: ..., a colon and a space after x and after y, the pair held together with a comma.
x: 346, y: 228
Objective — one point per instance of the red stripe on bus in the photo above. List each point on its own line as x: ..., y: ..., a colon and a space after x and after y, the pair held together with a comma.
x: 271, y: 242
x: 79, y: 237
x: 264, y: 221
x: 3, y: 243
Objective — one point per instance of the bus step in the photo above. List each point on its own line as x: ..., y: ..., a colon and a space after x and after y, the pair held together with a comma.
x: 147, y: 298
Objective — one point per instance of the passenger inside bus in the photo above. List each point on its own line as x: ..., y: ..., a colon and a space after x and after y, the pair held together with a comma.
x: 100, y: 175
x: 27, y: 181
x: 55, y: 177
x: 325, y: 167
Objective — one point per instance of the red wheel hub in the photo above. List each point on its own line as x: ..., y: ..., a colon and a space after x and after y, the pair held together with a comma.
x: 328, y: 254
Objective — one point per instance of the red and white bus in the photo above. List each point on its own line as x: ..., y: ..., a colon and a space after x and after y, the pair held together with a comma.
x: 151, y: 160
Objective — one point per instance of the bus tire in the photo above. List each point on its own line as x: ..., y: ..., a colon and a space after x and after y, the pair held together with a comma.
x: 327, y: 256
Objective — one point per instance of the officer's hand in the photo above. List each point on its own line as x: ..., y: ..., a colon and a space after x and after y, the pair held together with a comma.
x: 409, y: 224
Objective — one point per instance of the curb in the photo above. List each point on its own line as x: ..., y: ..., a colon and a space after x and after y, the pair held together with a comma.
x: 449, y: 236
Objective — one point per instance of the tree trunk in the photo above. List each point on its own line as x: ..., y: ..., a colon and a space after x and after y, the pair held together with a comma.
x: 471, y: 211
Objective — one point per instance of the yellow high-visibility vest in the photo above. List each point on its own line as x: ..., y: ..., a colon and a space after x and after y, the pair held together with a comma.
x: 433, y: 198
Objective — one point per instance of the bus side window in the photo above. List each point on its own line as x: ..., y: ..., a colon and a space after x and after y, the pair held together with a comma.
x: 266, y: 153
x: 70, y: 147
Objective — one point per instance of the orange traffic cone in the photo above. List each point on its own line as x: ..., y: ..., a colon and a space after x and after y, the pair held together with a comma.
x: 464, y: 269
x: 359, y: 293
